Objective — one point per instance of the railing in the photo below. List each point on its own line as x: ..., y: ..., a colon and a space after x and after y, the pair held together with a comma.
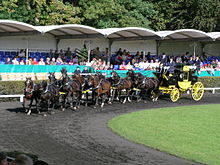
x: 11, y: 96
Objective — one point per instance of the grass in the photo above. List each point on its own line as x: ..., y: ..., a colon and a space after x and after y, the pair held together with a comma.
x: 190, y: 132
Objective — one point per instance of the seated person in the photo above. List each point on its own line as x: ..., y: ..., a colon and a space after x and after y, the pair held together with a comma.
x: 15, y: 61
x: 123, y: 66
x: 85, y: 70
x: 77, y: 71
x: 129, y: 66
x: 34, y: 62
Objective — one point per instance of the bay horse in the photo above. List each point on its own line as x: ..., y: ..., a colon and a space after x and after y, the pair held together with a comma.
x: 100, y: 88
x: 151, y: 87
x: 32, y: 91
x: 50, y: 95
x: 119, y: 85
x: 71, y: 87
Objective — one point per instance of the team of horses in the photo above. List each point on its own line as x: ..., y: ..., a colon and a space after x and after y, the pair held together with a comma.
x: 96, y: 89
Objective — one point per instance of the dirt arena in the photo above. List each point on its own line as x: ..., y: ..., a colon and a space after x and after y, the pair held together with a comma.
x: 81, y: 136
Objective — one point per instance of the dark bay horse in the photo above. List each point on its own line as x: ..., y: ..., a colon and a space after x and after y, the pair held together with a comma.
x: 32, y: 91
x: 50, y: 95
x: 100, y: 87
x: 71, y: 87
x: 142, y: 84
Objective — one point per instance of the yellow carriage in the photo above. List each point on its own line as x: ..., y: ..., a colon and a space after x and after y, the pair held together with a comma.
x: 183, y: 79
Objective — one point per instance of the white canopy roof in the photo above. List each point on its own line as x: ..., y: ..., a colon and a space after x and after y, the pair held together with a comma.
x: 70, y: 30
x: 215, y: 35
x: 9, y: 27
x: 184, y: 34
x: 129, y: 32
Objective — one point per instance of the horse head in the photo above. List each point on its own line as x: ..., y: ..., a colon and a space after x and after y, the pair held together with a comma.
x: 29, y: 84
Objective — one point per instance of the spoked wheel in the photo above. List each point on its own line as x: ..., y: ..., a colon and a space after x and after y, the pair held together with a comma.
x: 174, y: 94
x: 197, y: 91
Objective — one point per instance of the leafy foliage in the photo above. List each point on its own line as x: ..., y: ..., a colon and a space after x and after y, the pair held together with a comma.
x: 157, y: 15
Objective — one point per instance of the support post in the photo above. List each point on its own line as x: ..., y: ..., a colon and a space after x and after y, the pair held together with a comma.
x: 57, y: 43
x: 110, y: 51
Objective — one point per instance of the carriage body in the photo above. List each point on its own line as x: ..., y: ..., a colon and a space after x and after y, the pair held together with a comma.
x: 183, y: 79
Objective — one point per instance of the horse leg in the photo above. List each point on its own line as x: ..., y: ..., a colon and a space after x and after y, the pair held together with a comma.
x: 109, y: 97
x: 30, y: 105
x: 113, y: 95
x: 118, y: 94
x: 23, y: 104
x: 36, y: 100
x: 63, y: 102
x: 103, y: 100
x: 128, y: 93
x: 79, y: 98
x: 96, y: 97
x: 126, y: 96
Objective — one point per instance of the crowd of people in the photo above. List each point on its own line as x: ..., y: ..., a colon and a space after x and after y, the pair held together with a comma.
x: 121, y: 60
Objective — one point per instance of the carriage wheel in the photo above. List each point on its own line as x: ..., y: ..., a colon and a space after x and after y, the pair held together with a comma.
x: 197, y: 91
x: 174, y: 94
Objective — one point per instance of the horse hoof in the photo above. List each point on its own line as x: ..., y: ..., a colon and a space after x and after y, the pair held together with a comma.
x: 44, y: 115
x: 124, y: 102
x: 63, y: 109
x: 145, y: 102
x: 74, y: 108
x: 29, y: 113
x: 94, y: 107
x: 86, y: 105
x: 78, y: 107
x: 110, y: 103
x: 102, y: 105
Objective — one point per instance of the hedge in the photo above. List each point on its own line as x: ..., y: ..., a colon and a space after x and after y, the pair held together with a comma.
x: 17, y: 87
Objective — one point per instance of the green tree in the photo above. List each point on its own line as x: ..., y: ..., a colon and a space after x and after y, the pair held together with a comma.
x: 116, y: 13
x: 39, y: 12
x: 179, y: 14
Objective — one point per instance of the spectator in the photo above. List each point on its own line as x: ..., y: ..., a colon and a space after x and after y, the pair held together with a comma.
x: 22, y: 160
x: 41, y: 62
x: 53, y: 62
x: 97, y: 52
x: 146, y: 65
x: 142, y: 55
x: 107, y: 55
x: 119, y: 52
x: 129, y: 66
x: 56, y: 54
x: 21, y: 62
x: 59, y: 61
x: 3, y: 159
x: 47, y: 61
x: 148, y: 56
x: 50, y: 54
x: 85, y: 70
x: 77, y: 71
x: 15, y: 61
x: 191, y: 62
x: 35, y: 62
x: 8, y: 61
x: 111, y: 67
x: 22, y: 53
x: 163, y: 59
x: 61, y: 54
x: 70, y: 62
x: 141, y: 65
x: 29, y: 61
x: 69, y: 54
x: 136, y: 66
x: 152, y: 65
x: 75, y: 60
x: 122, y: 66
x: 171, y: 65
